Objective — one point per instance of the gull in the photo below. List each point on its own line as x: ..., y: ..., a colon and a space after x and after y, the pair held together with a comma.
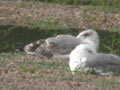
x: 56, y: 47
x: 85, y: 57
x: 104, y: 64
x: 88, y: 46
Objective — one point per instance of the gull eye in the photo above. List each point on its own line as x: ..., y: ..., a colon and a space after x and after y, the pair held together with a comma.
x: 86, y: 34
x: 89, y: 51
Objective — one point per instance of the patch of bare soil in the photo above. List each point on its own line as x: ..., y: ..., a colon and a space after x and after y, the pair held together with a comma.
x: 32, y: 73
x: 31, y: 13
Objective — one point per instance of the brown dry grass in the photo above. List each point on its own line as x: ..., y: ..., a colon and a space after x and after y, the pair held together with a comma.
x: 32, y: 73
x: 44, y: 14
x: 22, y: 72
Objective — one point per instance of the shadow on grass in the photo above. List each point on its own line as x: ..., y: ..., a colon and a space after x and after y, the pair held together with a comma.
x: 12, y: 37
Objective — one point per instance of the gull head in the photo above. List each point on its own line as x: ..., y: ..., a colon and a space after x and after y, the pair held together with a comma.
x: 89, y: 36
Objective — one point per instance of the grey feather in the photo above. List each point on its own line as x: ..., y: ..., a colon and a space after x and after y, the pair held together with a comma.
x: 104, y: 63
x: 56, y: 47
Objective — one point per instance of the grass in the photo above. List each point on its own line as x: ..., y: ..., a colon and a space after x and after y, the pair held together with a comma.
x: 90, y: 16
x: 106, y: 4
x: 20, y: 35
x: 45, y: 23
x: 29, y: 72
x: 13, y: 37
x: 26, y: 71
x: 35, y: 66
x: 111, y: 49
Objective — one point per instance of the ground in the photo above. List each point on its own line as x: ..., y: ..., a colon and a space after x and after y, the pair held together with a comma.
x: 23, y: 72
x: 55, y: 15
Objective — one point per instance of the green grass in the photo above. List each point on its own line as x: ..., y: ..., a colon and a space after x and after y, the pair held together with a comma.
x: 106, y: 5
x: 13, y: 37
x: 50, y: 71
x: 38, y: 65
x: 103, y: 3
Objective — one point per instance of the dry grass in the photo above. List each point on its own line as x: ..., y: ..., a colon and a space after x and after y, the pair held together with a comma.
x: 32, y: 73
x: 22, y: 72
x: 60, y: 16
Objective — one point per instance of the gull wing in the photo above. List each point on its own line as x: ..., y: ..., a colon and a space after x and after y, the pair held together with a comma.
x: 104, y: 62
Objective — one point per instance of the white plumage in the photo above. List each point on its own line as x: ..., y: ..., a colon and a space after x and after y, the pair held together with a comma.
x: 85, y: 57
x: 89, y: 44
